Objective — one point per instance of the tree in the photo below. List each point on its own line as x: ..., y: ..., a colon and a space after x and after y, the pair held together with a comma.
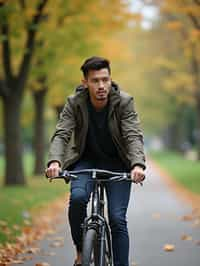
x: 12, y: 83
x: 184, y: 20
x: 178, y: 41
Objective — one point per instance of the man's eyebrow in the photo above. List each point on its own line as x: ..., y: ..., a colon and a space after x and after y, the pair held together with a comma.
x: 104, y: 77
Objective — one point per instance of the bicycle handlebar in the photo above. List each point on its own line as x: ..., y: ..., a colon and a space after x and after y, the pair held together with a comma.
x: 105, y: 175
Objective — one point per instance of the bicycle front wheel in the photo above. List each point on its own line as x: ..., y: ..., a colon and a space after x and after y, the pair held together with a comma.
x: 104, y: 248
x: 89, y: 244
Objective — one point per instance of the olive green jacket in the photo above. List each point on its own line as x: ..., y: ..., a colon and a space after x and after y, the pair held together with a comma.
x: 68, y: 141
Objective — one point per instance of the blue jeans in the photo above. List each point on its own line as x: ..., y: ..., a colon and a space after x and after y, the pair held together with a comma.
x: 118, y: 194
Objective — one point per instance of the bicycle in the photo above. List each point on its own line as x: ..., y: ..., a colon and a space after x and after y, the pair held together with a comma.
x: 97, y: 245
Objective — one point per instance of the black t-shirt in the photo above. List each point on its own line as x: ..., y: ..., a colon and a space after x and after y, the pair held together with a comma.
x: 100, y: 147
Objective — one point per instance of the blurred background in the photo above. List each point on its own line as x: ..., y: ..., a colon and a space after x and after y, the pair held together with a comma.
x: 154, y: 49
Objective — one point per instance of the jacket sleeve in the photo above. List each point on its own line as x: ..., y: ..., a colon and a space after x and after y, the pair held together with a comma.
x: 62, y: 134
x: 132, y: 134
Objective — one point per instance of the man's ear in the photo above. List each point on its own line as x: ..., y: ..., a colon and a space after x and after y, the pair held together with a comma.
x: 84, y: 83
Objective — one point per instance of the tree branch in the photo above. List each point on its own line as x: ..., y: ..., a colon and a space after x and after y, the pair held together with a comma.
x: 194, y: 20
x: 30, y: 43
x: 22, y: 4
x: 6, y: 53
x: 197, y: 2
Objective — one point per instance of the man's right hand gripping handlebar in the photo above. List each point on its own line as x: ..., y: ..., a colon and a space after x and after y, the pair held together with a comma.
x: 53, y: 170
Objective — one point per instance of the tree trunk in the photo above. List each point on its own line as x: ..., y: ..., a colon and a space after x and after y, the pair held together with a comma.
x: 14, y: 173
x: 198, y: 129
x: 58, y: 110
x: 196, y: 74
x: 39, y: 135
x: 175, y: 135
x: 171, y: 137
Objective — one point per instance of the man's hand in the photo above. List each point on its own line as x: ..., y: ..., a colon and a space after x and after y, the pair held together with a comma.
x: 53, y: 170
x: 137, y: 174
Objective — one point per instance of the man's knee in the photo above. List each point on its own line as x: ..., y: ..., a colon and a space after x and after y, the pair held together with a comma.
x: 78, y: 196
x: 117, y: 222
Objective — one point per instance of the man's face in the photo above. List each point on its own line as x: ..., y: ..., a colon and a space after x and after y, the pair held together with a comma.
x: 98, y: 83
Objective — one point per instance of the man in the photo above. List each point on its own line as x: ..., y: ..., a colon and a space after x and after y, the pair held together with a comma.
x: 99, y: 128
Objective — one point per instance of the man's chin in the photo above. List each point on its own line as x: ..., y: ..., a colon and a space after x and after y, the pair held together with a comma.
x: 103, y: 98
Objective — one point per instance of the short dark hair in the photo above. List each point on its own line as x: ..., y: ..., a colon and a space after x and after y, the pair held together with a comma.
x: 95, y: 63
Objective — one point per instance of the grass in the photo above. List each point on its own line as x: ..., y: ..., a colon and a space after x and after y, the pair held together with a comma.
x: 185, y: 171
x: 17, y: 202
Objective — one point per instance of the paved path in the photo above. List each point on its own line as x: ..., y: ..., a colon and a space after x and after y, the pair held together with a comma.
x: 155, y: 219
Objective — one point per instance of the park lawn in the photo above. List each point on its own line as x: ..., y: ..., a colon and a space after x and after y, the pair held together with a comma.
x: 18, y: 202
x: 184, y: 171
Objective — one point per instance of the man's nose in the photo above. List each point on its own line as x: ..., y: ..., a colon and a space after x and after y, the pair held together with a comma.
x: 101, y: 84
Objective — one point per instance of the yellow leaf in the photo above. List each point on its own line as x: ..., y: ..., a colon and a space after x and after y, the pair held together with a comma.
x: 17, y: 262
x: 186, y: 237
x: 42, y: 264
x: 27, y: 229
x: 187, y: 218
x: 169, y: 247
x: 33, y: 250
x: 57, y: 244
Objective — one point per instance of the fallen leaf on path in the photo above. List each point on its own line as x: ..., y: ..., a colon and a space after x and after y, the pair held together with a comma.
x: 134, y: 264
x: 42, y: 224
x: 42, y: 264
x: 17, y: 262
x: 156, y: 215
x: 187, y: 218
x: 32, y: 250
x: 57, y: 244
x: 186, y: 237
x: 27, y: 229
x: 24, y: 258
x: 196, y: 223
x: 169, y: 247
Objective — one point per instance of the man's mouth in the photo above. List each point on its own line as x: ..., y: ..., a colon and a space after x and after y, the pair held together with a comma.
x: 101, y: 92
x: 101, y: 95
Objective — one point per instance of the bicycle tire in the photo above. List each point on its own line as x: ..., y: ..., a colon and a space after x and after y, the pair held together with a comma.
x: 106, y: 259
x: 107, y: 250
x: 88, y: 247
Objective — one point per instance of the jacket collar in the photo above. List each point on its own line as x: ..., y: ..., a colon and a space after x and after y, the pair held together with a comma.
x: 114, y: 96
